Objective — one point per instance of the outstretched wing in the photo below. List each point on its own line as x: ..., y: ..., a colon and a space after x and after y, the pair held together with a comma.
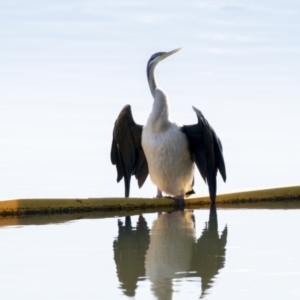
x: 206, y: 150
x: 126, y: 150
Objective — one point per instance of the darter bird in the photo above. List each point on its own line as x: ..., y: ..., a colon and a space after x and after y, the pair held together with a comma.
x: 164, y: 149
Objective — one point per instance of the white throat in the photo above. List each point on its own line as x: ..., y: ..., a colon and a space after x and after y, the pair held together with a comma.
x: 158, y: 120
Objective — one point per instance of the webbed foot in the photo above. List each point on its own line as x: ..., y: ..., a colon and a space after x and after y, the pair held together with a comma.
x: 179, y: 201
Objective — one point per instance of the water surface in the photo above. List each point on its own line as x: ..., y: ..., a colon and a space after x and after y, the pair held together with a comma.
x: 226, y: 253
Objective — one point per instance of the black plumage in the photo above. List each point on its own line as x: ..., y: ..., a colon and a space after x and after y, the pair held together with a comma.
x: 126, y: 150
x: 206, y: 151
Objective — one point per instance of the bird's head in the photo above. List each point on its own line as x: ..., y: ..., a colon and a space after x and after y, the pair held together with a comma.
x: 159, y: 56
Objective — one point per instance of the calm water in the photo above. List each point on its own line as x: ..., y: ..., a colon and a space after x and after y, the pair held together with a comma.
x: 228, y: 254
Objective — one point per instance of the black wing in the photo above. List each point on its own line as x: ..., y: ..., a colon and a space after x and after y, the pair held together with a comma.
x: 206, y: 150
x: 126, y: 150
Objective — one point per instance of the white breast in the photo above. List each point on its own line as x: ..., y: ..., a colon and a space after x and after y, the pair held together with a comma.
x: 170, y: 165
x: 166, y: 149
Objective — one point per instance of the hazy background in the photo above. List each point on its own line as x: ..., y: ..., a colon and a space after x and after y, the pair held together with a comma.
x: 68, y: 67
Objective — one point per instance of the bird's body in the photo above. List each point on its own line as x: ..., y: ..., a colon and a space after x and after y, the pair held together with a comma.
x: 164, y: 149
x: 162, y: 141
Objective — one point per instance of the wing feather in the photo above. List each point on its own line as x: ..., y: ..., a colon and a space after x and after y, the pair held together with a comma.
x: 126, y: 150
x: 206, y: 151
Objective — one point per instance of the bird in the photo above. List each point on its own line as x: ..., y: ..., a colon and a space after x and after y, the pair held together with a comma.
x: 165, y: 149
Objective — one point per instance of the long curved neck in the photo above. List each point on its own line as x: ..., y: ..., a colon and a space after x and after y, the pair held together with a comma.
x: 151, y: 78
x: 159, y: 116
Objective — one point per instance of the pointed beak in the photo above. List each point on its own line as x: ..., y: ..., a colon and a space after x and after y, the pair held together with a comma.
x: 171, y: 52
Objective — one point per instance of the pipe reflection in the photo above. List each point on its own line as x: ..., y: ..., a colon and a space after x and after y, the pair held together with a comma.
x: 172, y: 251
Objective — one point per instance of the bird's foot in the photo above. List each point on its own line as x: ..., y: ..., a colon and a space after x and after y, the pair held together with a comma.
x: 179, y: 201
x: 178, y: 198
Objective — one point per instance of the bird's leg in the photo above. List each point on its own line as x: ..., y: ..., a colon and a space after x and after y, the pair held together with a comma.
x: 159, y: 193
x: 179, y: 199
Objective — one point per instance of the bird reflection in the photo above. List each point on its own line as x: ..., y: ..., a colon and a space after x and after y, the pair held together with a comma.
x: 129, y: 253
x: 171, y: 252
x: 209, y: 251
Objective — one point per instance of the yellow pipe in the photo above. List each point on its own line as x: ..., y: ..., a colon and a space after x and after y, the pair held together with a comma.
x: 79, y: 205
x: 66, y: 206
x: 255, y: 196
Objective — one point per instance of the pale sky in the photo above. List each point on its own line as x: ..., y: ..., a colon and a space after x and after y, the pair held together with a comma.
x: 68, y: 68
